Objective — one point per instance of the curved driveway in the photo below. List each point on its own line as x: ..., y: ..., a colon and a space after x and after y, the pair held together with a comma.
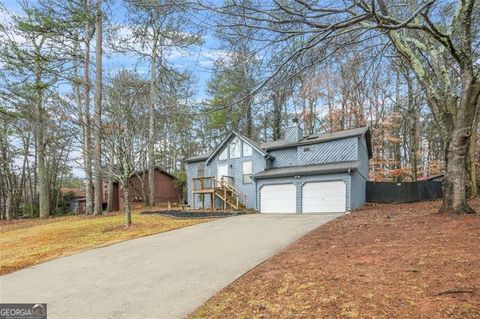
x: 161, y: 276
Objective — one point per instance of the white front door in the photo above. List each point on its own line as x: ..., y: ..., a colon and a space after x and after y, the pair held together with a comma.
x: 278, y: 199
x: 222, y: 170
x: 324, y: 197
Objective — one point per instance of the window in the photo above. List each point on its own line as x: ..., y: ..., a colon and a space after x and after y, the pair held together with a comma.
x: 223, y: 154
x: 247, y: 172
x: 201, y: 170
x: 235, y: 148
x: 247, y: 149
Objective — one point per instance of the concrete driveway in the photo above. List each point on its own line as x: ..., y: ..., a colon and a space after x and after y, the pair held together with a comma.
x: 161, y: 276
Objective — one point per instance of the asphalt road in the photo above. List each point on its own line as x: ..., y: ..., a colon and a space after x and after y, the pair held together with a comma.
x: 161, y: 276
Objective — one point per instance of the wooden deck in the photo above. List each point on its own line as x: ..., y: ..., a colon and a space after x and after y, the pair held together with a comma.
x: 223, y: 189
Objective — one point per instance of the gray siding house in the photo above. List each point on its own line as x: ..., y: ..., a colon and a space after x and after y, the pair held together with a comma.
x: 312, y: 174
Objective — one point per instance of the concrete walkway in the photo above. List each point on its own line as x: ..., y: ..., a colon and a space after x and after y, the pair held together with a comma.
x: 161, y: 276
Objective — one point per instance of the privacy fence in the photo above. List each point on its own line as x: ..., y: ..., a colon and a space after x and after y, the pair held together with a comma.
x: 385, y: 192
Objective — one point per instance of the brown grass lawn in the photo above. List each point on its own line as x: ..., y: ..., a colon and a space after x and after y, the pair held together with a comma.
x: 384, y: 261
x: 25, y: 243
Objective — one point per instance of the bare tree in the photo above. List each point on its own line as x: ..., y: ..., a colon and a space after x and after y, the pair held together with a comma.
x: 126, y: 131
x: 156, y: 29
x: 439, y: 51
x: 97, y: 208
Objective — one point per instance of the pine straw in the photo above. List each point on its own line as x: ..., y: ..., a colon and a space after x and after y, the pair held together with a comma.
x: 385, y: 261
x: 24, y: 243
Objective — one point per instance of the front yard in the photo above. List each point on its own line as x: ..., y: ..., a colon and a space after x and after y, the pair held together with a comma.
x: 385, y: 261
x: 25, y: 243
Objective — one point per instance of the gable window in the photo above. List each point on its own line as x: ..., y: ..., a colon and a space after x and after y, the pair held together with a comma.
x: 224, y: 154
x: 201, y: 170
x: 247, y: 150
x: 235, y: 145
x: 247, y: 172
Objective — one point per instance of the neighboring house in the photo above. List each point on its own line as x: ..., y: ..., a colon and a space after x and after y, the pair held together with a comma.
x: 166, y: 190
x: 73, y: 198
x: 313, y: 174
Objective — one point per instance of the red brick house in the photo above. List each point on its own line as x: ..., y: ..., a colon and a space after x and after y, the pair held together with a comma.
x: 166, y: 190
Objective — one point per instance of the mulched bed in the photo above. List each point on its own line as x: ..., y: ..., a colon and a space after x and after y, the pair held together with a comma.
x: 194, y: 214
x: 384, y: 261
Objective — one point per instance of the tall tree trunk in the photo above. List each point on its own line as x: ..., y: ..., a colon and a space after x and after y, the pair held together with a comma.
x: 249, y: 117
x: 277, y: 103
x: 86, y: 121
x: 473, y: 154
x: 413, y: 151
x: 43, y: 193
x: 457, y: 132
x: 150, y: 201
x: 412, y: 116
x: 397, y: 156
x: 110, y: 195
x: 127, y: 208
x: 97, y: 210
x: 110, y: 188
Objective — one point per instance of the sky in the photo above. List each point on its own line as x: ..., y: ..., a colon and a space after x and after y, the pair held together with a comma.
x: 198, y: 60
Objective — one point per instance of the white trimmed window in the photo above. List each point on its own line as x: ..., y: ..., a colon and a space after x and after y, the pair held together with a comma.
x: 224, y: 154
x: 235, y: 145
x: 247, y: 149
x: 247, y: 172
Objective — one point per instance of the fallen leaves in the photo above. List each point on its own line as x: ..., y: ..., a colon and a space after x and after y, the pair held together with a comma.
x: 384, y: 261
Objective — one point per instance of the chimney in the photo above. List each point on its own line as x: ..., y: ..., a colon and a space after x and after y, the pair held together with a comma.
x: 294, y: 133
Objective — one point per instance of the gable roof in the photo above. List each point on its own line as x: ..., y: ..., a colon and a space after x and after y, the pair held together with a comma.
x: 157, y: 168
x: 207, y: 157
x: 281, y: 144
x: 308, y: 170
x: 324, y: 137
x: 77, y: 192
x: 198, y: 158
x: 245, y: 139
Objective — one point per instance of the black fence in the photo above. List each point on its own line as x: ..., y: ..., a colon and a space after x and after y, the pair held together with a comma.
x: 385, y: 192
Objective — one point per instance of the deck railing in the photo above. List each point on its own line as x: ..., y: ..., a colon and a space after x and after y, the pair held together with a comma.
x: 204, y: 183
x: 221, y: 188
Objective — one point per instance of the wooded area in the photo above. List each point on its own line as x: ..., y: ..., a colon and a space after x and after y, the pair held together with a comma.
x: 409, y: 70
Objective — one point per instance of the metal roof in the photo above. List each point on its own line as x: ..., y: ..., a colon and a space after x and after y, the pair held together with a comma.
x: 308, y: 170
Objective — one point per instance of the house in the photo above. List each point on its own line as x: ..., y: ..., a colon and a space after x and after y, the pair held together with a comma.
x: 166, y: 190
x: 73, y: 198
x: 312, y: 174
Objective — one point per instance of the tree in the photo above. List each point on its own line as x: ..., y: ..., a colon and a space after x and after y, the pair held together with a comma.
x: 29, y: 54
x: 156, y: 28
x: 125, y: 130
x: 437, y: 40
x: 97, y: 149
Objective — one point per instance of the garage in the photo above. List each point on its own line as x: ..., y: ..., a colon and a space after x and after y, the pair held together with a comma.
x: 324, y: 197
x: 278, y: 199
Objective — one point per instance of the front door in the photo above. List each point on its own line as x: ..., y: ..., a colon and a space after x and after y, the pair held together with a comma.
x: 222, y: 170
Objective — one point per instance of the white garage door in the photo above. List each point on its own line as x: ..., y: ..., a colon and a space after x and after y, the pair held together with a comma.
x: 324, y: 197
x: 278, y: 198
